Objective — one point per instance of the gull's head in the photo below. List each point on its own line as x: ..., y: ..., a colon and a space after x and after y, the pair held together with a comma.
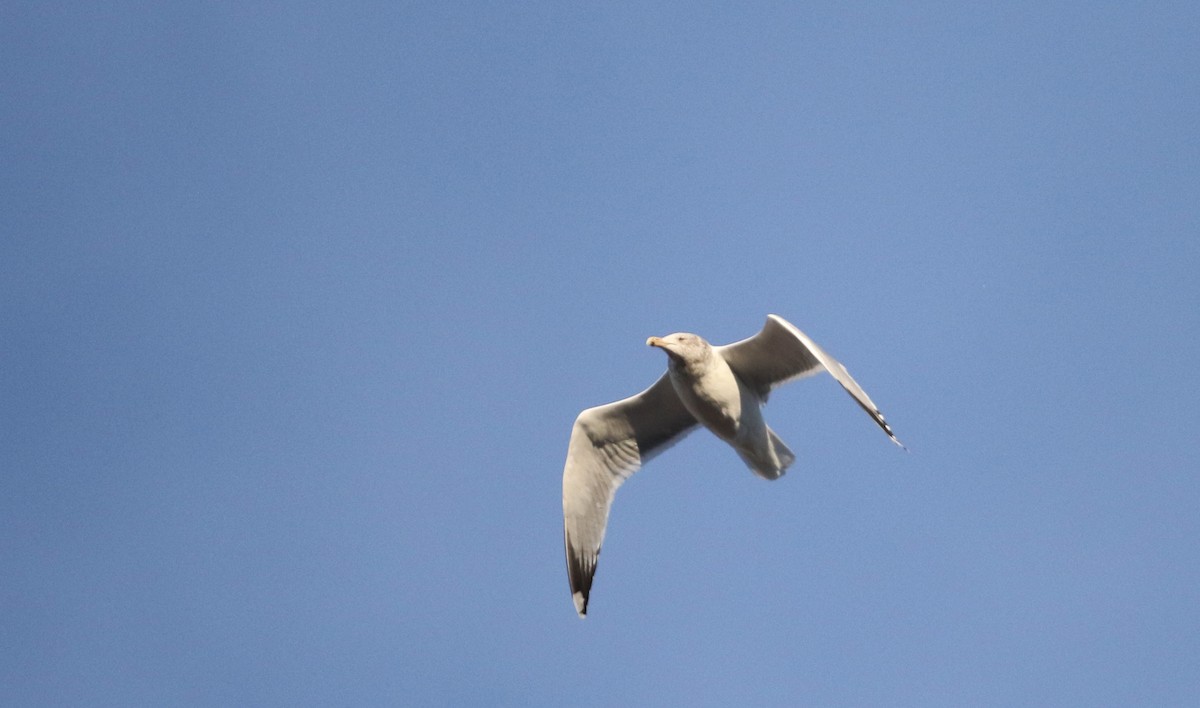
x: 681, y: 347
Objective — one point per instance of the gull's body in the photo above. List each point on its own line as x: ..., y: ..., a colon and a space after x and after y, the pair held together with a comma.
x: 713, y: 395
x: 722, y: 388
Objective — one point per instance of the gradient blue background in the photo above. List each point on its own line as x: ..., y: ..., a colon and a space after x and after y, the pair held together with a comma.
x: 298, y: 303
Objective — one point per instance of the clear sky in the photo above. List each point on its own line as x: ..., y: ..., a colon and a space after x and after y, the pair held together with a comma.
x: 298, y: 302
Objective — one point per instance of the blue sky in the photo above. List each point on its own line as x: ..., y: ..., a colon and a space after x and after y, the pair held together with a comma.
x: 298, y: 303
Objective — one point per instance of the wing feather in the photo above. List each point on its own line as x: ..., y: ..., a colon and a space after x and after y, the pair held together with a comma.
x: 608, y: 444
x: 780, y: 353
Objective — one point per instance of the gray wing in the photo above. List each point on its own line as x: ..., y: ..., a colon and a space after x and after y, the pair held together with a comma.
x: 608, y: 444
x: 780, y: 353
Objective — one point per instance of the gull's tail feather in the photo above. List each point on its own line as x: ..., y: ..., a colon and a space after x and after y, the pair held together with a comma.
x: 772, y: 462
x: 782, y: 452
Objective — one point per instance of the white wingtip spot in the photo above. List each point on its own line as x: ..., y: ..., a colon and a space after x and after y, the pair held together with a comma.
x: 579, y: 606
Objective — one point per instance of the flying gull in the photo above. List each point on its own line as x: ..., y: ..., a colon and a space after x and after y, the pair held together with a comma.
x: 722, y: 388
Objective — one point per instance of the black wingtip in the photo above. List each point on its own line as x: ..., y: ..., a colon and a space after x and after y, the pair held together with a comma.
x: 580, y: 571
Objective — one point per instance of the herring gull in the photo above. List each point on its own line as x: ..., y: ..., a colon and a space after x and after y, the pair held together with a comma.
x: 722, y: 388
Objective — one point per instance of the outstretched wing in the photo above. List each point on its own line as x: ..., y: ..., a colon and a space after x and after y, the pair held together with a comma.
x: 608, y: 444
x: 780, y: 353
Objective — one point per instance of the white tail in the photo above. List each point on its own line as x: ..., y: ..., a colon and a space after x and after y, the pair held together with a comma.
x: 772, y: 462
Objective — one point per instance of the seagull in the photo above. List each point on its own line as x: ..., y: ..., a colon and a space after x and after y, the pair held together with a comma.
x: 722, y: 388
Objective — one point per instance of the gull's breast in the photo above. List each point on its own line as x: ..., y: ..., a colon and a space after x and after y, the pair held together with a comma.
x: 713, y: 397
